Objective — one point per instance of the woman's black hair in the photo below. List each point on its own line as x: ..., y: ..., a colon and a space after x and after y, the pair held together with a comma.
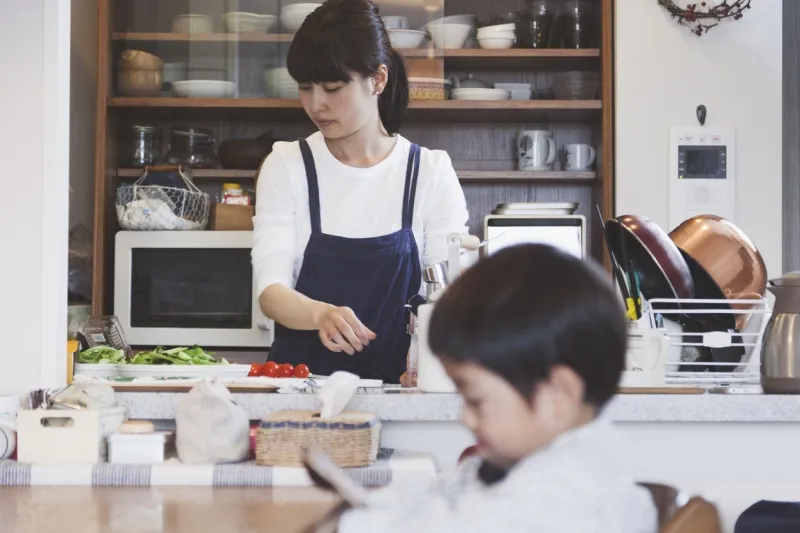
x: 343, y: 37
x: 527, y: 309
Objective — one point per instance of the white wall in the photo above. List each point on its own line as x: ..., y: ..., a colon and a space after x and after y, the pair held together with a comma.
x: 663, y: 72
x: 83, y: 111
x: 34, y: 148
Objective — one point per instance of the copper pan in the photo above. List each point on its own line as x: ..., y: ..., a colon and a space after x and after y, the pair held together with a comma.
x: 728, y: 256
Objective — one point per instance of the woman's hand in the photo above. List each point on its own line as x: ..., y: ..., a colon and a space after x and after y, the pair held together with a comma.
x: 340, y: 330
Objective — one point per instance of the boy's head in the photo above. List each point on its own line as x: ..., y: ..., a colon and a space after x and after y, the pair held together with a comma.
x: 535, y: 340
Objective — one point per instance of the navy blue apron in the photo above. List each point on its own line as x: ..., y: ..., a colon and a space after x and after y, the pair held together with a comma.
x: 374, y: 276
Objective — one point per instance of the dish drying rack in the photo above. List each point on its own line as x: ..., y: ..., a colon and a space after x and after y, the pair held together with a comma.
x: 665, y: 314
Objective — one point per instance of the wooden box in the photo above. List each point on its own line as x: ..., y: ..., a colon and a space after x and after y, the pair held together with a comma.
x: 230, y: 217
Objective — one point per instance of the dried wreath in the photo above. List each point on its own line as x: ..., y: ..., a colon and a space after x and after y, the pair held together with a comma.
x: 701, y: 18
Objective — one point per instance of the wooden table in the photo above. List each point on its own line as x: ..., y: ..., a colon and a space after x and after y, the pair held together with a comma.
x: 160, y: 510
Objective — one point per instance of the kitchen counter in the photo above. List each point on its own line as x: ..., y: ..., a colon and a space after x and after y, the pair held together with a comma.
x: 413, y: 406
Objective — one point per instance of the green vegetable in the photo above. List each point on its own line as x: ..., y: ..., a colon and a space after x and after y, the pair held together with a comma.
x: 176, y: 356
x: 101, y: 355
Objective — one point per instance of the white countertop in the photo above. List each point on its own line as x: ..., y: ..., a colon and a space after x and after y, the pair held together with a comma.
x: 420, y: 407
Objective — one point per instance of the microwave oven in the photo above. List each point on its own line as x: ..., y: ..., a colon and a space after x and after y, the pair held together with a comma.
x: 179, y: 288
x: 565, y: 232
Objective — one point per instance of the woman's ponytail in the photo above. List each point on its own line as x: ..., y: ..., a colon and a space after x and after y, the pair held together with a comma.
x: 393, y: 101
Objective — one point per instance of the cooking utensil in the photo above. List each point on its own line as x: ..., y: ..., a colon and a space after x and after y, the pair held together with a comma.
x: 615, y: 268
x: 780, y: 346
x: 662, y: 271
x: 728, y: 257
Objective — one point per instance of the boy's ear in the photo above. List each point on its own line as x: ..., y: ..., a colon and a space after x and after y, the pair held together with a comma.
x: 568, y: 385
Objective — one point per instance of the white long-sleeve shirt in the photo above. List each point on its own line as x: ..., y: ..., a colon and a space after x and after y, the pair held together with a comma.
x: 354, y: 203
x: 578, y: 484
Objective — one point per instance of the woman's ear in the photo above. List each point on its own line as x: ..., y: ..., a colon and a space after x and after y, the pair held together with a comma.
x: 380, y: 79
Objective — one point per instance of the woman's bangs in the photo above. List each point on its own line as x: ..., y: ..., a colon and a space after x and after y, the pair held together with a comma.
x: 314, y: 59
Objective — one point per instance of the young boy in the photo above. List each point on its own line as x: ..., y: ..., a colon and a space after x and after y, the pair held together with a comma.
x: 535, y: 341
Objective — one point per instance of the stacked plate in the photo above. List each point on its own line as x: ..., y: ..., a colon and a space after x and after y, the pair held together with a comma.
x: 480, y: 94
x: 497, y: 37
x: 536, y: 208
x: 279, y: 84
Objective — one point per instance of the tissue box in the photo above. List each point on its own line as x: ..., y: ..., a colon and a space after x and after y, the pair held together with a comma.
x: 351, y: 438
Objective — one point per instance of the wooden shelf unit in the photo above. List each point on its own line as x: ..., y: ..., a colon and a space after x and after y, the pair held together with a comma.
x: 479, y: 136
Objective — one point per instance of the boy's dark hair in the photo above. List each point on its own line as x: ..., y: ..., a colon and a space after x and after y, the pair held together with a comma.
x: 529, y: 308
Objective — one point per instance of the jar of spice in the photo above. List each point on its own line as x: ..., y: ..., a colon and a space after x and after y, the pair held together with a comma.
x: 232, y: 193
x: 192, y: 147
x: 142, y: 146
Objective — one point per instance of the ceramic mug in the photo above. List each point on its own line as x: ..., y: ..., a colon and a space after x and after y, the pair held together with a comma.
x: 536, y: 150
x: 578, y: 156
x: 9, y: 406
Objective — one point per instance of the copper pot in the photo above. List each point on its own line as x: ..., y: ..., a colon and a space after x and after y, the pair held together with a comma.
x: 727, y: 255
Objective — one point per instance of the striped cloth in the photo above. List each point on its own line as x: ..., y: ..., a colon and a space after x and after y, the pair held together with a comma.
x: 391, y: 467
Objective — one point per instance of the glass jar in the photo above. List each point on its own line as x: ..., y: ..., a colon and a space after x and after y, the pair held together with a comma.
x: 540, y: 22
x: 142, y: 147
x: 192, y: 147
x: 578, y: 25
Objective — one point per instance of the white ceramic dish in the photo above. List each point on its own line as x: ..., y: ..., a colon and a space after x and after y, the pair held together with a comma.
x: 279, y: 84
x: 498, y: 35
x: 240, y: 22
x: 204, y: 89
x: 513, y: 86
x: 495, y: 43
x: 449, y: 36
x: 99, y: 371
x: 469, y: 20
x: 395, y: 22
x: 497, y: 28
x: 292, y: 16
x: 480, y: 94
x: 183, y: 371
x: 192, y: 24
x: 406, y: 38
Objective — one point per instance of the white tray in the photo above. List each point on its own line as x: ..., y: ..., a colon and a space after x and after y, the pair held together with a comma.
x: 183, y: 371
x: 100, y: 371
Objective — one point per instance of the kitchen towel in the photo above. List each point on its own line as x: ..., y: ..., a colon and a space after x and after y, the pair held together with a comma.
x: 392, y: 467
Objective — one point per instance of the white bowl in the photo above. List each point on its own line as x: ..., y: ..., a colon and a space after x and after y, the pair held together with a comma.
x: 498, y: 35
x: 279, y: 84
x: 497, y: 28
x: 406, y: 38
x: 513, y: 86
x: 456, y: 19
x: 205, y: 88
x: 192, y: 24
x: 495, y: 43
x: 480, y: 94
x: 395, y: 22
x: 292, y: 16
x: 520, y: 94
x: 449, y: 36
x: 239, y: 22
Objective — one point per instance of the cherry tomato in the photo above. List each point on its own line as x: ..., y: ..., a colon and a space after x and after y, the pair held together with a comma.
x: 287, y: 365
x: 285, y: 372
x: 270, y: 371
x: 269, y: 364
x: 301, y: 371
x: 255, y: 370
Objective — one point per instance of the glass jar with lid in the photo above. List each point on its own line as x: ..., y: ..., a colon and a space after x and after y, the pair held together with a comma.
x: 142, y: 146
x: 539, y: 19
x: 192, y: 147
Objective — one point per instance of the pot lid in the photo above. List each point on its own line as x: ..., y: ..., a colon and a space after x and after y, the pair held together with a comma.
x: 790, y: 279
x: 471, y: 82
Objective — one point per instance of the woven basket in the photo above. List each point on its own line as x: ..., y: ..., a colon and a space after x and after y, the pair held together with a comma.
x: 351, y: 438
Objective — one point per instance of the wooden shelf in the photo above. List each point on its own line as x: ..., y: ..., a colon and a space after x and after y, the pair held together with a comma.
x: 463, y: 175
x: 552, y: 58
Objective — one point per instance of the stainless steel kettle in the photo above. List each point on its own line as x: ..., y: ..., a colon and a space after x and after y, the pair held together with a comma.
x: 780, y: 347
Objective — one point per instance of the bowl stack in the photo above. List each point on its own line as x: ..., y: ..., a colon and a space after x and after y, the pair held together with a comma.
x: 498, y: 36
x: 279, y: 84
x: 140, y: 74
x: 293, y: 15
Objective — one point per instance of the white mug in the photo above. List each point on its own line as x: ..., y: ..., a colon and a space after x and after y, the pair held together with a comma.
x: 578, y: 156
x: 536, y: 150
x: 9, y: 406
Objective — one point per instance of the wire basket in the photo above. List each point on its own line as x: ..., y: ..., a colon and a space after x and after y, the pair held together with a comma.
x: 143, y: 207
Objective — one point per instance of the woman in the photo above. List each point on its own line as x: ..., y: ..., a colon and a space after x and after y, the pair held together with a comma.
x: 346, y: 217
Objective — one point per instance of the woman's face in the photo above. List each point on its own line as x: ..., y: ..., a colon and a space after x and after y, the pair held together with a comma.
x: 340, y: 109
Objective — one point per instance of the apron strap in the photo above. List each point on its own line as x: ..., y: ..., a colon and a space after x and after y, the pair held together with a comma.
x: 313, y: 187
x: 410, y: 190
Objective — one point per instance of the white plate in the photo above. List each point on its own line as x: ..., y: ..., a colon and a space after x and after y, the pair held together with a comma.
x: 204, y: 88
x: 183, y: 371
x: 480, y: 94
x: 100, y: 371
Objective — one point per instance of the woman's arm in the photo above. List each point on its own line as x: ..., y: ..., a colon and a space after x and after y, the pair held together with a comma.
x: 445, y: 211
x: 274, y: 256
